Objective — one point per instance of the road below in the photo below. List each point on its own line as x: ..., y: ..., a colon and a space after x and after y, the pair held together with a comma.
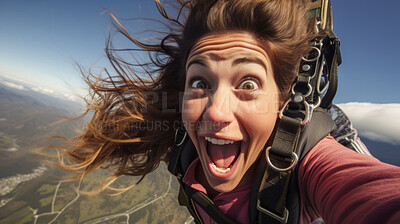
x: 101, y: 219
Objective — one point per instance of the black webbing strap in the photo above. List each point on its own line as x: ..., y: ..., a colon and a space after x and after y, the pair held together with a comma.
x: 275, y: 185
x: 174, y: 166
x: 334, y: 59
x: 286, y: 138
x: 184, y: 200
x: 175, y: 154
x: 272, y: 197
x: 207, y: 205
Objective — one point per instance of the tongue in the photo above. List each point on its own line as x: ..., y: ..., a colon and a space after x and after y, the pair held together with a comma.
x: 223, y: 155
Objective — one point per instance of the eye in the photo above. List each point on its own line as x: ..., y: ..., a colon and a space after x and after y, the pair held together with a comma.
x: 199, y: 84
x: 249, y: 84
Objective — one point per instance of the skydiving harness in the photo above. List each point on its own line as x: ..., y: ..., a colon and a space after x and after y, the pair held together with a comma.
x: 274, y: 197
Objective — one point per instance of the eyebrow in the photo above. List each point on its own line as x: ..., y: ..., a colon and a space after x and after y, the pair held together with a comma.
x: 197, y: 61
x: 249, y: 60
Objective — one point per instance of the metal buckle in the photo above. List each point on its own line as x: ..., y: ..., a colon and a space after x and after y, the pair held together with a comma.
x: 283, y: 219
x: 176, y: 136
x: 315, y: 58
x: 277, y: 169
x: 303, y: 95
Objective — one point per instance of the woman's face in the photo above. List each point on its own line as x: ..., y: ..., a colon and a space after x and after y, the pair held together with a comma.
x: 230, y: 106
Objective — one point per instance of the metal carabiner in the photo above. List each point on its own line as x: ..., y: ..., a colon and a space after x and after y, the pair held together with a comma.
x: 308, y: 109
x: 315, y: 58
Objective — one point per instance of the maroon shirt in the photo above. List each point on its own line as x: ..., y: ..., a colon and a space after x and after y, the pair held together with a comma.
x: 343, y: 186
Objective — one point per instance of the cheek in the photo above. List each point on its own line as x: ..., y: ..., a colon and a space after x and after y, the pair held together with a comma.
x: 259, y: 122
x: 192, y: 109
x: 260, y: 127
x: 267, y: 103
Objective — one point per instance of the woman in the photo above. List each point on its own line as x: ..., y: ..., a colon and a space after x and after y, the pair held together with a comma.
x: 234, y: 62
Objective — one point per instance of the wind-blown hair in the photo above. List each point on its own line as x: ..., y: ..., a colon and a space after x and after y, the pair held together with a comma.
x: 134, y: 118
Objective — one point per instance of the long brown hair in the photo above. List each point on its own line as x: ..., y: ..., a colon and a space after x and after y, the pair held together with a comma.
x: 134, y: 118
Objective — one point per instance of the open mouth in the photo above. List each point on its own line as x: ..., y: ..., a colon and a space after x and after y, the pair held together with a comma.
x: 222, y: 155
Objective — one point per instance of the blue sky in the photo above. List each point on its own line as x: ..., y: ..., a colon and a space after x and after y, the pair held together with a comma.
x: 39, y: 40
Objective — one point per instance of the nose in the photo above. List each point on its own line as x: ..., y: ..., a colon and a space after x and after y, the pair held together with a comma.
x: 219, y: 110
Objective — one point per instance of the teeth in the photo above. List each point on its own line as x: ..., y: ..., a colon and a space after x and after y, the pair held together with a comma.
x: 220, y: 170
x: 217, y: 141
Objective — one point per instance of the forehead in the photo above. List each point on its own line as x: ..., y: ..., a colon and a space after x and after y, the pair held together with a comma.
x: 227, y: 46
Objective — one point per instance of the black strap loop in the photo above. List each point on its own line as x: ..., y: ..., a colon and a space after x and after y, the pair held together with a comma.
x: 207, y: 205
x: 286, y: 138
x: 175, y: 154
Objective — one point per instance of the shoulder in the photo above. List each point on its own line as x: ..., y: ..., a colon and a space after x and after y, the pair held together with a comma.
x: 328, y: 150
x: 344, y: 186
x: 332, y: 161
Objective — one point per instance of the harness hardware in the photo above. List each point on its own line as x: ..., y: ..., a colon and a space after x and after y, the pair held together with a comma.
x: 314, y: 58
x: 282, y: 219
x: 277, y: 169
x: 309, y: 108
x: 177, y: 135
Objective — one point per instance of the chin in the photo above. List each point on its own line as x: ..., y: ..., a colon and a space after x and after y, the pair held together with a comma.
x: 225, y: 187
x: 223, y: 184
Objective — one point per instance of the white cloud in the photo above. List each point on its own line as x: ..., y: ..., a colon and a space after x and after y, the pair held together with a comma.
x: 59, y: 95
x: 20, y: 84
x: 13, y: 85
x: 71, y: 97
x: 43, y: 90
x: 378, y: 122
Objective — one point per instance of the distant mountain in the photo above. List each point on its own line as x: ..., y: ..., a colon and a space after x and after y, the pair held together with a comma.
x: 27, y: 115
x: 46, y: 97
x: 385, y: 152
x: 26, y: 118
